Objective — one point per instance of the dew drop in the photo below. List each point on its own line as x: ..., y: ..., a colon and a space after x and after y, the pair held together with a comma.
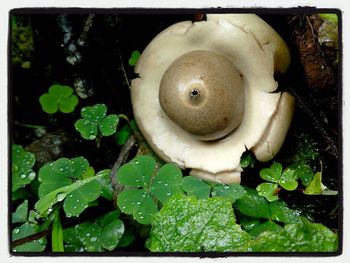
x: 93, y: 239
x: 143, y: 195
x: 138, y: 202
x: 124, y: 207
x: 213, y: 193
x: 23, y: 176
x: 31, y: 176
x: 227, y: 187
x: 137, y: 162
x: 141, y: 217
x: 68, y: 215
x: 168, y: 194
x: 166, y: 184
x: 41, y: 241
x: 16, y: 230
x: 60, y: 197
x: 91, y: 137
x: 88, y: 234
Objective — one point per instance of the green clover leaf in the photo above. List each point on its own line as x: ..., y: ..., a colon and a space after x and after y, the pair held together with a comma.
x: 196, y: 187
x: 22, y: 163
x: 62, y: 180
x: 144, y: 187
x: 268, y: 190
x: 167, y: 182
x: 94, y: 120
x: 231, y: 191
x: 286, y: 179
x: 59, y: 98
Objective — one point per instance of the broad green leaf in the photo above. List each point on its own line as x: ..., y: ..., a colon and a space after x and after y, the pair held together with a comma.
x: 22, y: 163
x: 57, y: 233
x: 89, y: 235
x: 196, y: 187
x: 57, y: 174
x: 266, y: 226
x: 247, y: 222
x: 108, y: 125
x: 167, y: 182
x: 68, y: 105
x: 137, y: 203
x: 231, y: 191
x: 25, y: 230
x: 45, y: 203
x: 77, y: 200
x: 126, y: 239
x: 315, y: 187
x: 288, y: 180
x: 300, y: 237
x: 88, y: 130
x: 94, y: 113
x: 304, y: 173
x: 186, y: 224
x: 282, y: 213
x: 137, y: 172
x: 21, y: 213
x: 254, y: 205
x: 103, y: 177
x: 111, y: 234
x: 268, y: 190
x: 108, y: 218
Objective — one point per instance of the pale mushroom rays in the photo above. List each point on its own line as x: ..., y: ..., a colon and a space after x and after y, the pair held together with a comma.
x: 205, y: 93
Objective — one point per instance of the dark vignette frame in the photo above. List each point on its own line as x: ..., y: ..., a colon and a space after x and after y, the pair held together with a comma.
x: 296, y: 10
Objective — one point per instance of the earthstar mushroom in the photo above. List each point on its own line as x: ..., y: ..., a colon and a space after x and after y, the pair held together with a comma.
x: 206, y: 93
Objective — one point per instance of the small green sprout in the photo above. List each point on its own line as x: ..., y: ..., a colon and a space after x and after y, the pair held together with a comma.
x: 95, y: 120
x: 59, y: 98
x: 135, y: 55
x: 22, y: 163
x: 247, y: 160
x: 274, y: 175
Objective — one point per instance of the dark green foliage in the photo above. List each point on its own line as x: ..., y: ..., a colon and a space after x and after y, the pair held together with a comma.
x: 22, y: 163
x: 104, y: 233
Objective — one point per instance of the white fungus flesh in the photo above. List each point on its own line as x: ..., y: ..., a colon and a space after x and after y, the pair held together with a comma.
x: 256, y: 52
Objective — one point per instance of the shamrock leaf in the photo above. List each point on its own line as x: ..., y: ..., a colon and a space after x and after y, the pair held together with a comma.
x: 268, y: 190
x: 231, y: 191
x: 61, y: 181
x: 272, y: 174
x: 94, y: 120
x: 22, y: 163
x: 167, y: 182
x: 196, y: 187
x: 144, y: 188
x: 59, y: 98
